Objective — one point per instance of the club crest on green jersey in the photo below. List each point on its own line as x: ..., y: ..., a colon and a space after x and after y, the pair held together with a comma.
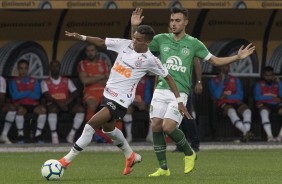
x: 175, y: 63
x: 185, y: 51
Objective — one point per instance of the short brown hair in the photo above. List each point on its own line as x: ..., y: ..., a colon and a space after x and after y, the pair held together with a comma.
x: 184, y: 11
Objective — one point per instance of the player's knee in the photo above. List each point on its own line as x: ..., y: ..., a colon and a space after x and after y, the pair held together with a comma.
x: 168, y: 128
x: 156, y: 127
x: 21, y: 111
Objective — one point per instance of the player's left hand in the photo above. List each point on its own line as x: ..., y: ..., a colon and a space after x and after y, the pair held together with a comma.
x: 198, y: 88
x: 243, y: 53
x: 183, y: 111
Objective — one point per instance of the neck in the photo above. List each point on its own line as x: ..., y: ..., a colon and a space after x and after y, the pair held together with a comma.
x: 179, y: 36
x: 55, y: 76
x: 141, y: 51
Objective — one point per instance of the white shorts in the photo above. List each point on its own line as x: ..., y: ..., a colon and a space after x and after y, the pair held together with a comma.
x: 164, y: 105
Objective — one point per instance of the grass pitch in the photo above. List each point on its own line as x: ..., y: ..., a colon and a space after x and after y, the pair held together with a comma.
x: 212, y: 167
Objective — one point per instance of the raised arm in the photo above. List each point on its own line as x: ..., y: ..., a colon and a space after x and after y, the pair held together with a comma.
x: 99, y: 42
x: 242, y: 54
x: 136, y: 19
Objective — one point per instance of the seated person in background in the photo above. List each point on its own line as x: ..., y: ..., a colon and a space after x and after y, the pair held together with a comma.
x: 25, y: 95
x: 93, y: 73
x: 61, y: 96
x: 141, y: 102
x: 227, y: 92
x: 8, y: 109
x: 268, y: 94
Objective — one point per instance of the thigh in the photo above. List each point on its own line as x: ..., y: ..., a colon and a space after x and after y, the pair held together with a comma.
x: 77, y: 109
x: 100, y: 118
x: 172, y: 111
x: 40, y: 109
x: 8, y: 107
x: 52, y: 108
x: 93, y: 95
x: 241, y: 108
x: 116, y: 110
x: 226, y: 107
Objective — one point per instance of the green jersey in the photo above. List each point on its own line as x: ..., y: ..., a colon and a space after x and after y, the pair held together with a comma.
x: 177, y: 57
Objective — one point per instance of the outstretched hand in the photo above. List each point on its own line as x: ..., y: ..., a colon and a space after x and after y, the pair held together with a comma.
x: 182, y: 109
x: 75, y: 35
x: 243, y: 53
x: 136, y: 17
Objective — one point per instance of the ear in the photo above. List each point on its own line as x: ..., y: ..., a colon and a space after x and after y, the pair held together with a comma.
x: 186, y: 22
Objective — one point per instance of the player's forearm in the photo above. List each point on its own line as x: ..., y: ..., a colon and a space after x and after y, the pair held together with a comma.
x: 133, y: 30
x: 72, y: 97
x: 198, y: 69
x: 93, y: 79
x: 156, y: 82
x: 99, y: 42
x: 219, y: 61
x: 172, y: 85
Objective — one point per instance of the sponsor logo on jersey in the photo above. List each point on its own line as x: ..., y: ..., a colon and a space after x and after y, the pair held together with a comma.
x: 129, y: 95
x: 111, y: 92
x: 122, y: 70
x: 111, y: 105
x: 175, y: 63
x: 131, y: 91
x: 166, y: 49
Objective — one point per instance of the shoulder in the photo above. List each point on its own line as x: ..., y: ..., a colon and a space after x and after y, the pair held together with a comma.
x: 192, y: 39
x: 162, y: 36
x: 150, y: 56
x: 64, y: 78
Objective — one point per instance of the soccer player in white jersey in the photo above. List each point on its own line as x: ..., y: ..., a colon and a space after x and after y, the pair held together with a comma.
x: 134, y: 60
x: 177, y: 51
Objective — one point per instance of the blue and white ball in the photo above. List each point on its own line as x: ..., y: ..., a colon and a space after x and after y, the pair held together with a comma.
x: 52, y: 170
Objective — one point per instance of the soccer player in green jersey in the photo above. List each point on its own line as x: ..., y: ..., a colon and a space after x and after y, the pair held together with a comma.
x: 177, y: 50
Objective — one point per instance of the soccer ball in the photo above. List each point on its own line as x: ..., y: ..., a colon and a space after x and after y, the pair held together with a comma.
x: 52, y: 170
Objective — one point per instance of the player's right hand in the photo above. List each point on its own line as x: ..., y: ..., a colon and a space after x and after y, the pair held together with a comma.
x: 136, y: 17
x: 182, y: 109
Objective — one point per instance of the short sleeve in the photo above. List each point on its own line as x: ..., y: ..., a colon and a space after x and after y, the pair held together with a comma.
x: 71, y: 86
x: 44, y: 87
x: 201, y: 50
x: 157, y: 67
x: 117, y: 44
